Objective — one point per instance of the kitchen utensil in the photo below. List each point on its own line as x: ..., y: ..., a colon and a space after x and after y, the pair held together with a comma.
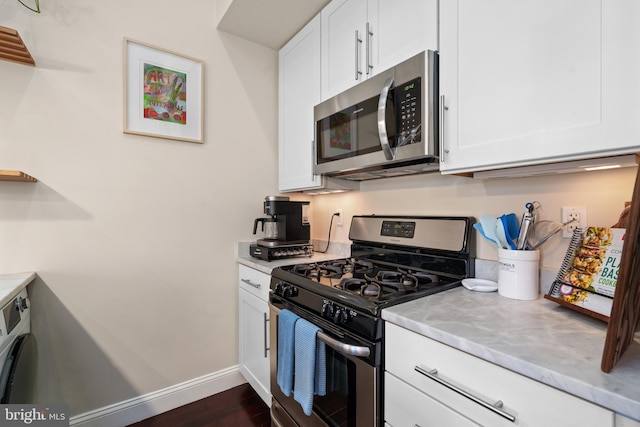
x: 501, y: 234
x: 531, y: 208
x: 480, y: 230
x: 543, y: 231
x: 480, y: 285
x: 511, y: 230
x: 525, y: 228
x: 488, y: 224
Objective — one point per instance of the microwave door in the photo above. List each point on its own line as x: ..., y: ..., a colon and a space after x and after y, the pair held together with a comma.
x: 349, y: 133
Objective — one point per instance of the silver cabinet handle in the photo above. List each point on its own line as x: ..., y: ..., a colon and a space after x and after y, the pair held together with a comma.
x: 493, y: 407
x: 369, y: 44
x: 266, y: 347
x: 358, y: 42
x: 443, y: 150
x: 382, y: 123
x: 250, y: 283
x: 313, y: 157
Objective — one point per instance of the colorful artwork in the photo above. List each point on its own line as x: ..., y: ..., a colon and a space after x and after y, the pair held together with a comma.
x: 156, y: 94
x: 340, y: 131
x: 165, y: 94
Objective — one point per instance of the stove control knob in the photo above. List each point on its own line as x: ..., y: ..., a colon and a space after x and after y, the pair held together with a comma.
x: 327, y: 309
x: 279, y: 289
x: 340, y: 316
x: 289, y: 291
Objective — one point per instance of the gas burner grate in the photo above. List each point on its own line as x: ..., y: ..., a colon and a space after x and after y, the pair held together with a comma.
x: 317, y: 271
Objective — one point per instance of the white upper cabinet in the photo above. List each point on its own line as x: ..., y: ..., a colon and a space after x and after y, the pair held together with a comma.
x: 363, y: 37
x: 531, y: 82
x: 299, y: 92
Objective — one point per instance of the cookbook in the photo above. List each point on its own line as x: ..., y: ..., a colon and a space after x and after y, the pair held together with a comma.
x: 587, y: 278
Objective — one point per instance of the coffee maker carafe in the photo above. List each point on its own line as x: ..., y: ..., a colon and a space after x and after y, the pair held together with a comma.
x: 286, y: 230
x: 269, y: 228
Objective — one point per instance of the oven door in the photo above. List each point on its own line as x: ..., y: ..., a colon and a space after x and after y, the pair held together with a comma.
x: 353, y: 384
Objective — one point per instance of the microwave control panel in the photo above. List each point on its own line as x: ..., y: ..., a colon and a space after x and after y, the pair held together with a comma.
x: 409, y: 112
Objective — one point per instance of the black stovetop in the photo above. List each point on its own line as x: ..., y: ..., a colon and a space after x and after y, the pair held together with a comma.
x: 370, y: 283
x: 393, y: 260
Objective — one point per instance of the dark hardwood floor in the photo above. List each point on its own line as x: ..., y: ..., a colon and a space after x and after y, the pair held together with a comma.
x: 239, y: 406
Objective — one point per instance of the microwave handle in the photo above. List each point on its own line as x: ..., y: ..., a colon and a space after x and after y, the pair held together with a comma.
x: 382, y: 125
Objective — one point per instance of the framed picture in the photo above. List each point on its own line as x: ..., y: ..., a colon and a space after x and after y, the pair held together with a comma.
x: 163, y: 93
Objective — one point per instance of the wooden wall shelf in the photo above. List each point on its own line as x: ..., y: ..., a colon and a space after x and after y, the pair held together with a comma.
x: 12, y: 48
x: 16, y: 176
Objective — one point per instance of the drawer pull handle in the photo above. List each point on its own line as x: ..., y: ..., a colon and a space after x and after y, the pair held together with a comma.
x: 250, y: 283
x: 494, y: 407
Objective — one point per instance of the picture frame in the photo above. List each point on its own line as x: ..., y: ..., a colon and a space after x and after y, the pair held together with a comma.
x: 163, y: 93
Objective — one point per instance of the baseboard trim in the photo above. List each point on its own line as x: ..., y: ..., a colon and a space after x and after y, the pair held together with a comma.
x: 148, y: 405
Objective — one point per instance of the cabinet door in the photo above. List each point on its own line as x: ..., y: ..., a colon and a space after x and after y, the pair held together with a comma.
x: 254, y: 343
x: 401, y: 29
x: 299, y: 92
x: 343, y: 45
x: 536, y: 81
x: 361, y: 38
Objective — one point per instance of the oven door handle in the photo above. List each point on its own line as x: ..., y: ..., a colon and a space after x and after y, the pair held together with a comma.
x: 347, y: 349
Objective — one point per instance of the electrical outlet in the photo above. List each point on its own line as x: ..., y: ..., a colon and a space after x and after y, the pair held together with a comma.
x: 339, y: 221
x: 569, y: 213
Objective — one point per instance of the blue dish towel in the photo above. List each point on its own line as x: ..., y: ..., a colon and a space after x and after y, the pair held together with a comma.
x: 286, y: 354
x: 310, y: 365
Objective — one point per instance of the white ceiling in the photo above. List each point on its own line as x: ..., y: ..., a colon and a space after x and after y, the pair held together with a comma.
x: 269, y: 23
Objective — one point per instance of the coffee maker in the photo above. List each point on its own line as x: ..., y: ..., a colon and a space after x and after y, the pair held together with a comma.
x: 286, y: 232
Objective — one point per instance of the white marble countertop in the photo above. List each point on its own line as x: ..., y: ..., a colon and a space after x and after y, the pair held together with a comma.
x: 538, y: 339
x: 11, y: 284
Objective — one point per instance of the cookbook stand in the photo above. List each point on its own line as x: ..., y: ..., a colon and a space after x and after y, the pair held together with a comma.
x: 625, y: 312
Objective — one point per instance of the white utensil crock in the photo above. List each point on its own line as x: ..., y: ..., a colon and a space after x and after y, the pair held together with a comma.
x: 518, y: 274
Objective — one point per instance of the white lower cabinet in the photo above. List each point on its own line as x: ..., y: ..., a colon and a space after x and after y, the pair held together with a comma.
x: 467, y: 391
x: 254, y: 330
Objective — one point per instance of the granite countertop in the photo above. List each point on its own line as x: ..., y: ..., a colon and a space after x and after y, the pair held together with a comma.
x: 11, y: 284
x: 538, y: 339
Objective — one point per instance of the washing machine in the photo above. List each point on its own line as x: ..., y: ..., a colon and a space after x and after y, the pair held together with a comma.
x: 18, y: 352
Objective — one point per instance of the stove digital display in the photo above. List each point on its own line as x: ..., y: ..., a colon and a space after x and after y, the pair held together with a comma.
x: 403, y: 229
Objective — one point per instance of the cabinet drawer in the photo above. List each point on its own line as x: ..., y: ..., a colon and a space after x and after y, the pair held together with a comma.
x: 254, y: 281
x: 530, y: 402
x: 407, y: 406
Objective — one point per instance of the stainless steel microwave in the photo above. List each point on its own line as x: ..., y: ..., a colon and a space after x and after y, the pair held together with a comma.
x: 385, y: 126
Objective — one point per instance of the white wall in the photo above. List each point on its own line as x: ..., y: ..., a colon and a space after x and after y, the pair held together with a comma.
x: 133, y: 238
x: 603, y: 193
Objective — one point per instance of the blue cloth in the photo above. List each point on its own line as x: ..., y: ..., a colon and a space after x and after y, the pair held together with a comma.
x: 286, y: 354
x: 310, y: 365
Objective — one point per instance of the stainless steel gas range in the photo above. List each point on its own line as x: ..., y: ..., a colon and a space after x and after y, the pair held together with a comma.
x: 394, y: 259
